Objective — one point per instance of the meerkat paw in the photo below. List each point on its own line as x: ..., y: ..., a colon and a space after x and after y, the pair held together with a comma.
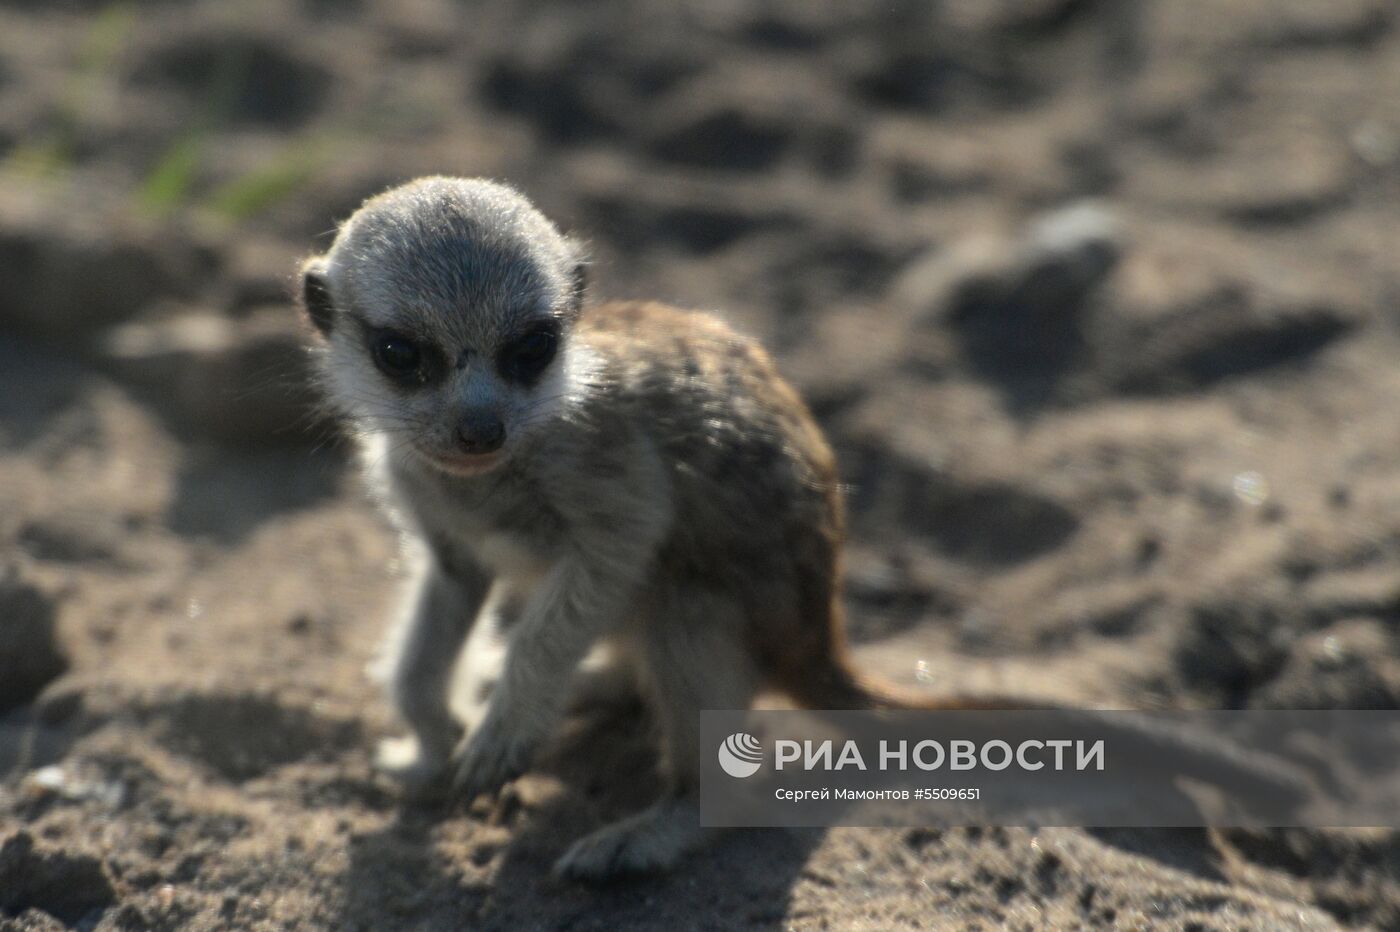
x: 649, y: 842
x: 421, y: 777
x: 489, y: 758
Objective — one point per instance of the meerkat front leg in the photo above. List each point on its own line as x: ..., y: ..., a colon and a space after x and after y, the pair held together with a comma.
x: 422, y: 655
x: 694, y: 658
x: 571, y: 608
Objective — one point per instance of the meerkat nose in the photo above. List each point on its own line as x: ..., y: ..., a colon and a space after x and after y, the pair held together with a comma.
x: 480, y: 432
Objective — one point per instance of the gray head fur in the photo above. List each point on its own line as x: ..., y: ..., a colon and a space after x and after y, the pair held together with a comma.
x: 461, y: 270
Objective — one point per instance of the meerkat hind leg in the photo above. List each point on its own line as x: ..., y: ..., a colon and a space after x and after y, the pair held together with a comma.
x: 693, y: 660
x: 606, y: 679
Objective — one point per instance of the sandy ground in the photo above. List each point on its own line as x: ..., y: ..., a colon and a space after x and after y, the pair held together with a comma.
x: 1097, y: 301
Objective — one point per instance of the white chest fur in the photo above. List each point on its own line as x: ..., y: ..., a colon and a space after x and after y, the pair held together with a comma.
x: 454, y: 517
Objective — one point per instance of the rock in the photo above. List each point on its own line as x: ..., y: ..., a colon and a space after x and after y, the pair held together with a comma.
x: 581, y: 85
x: 925, y: 68
x: 1349, y: 665
x: 1065, y: 254
x: 1257, y: 179
x: 74, y: 536
x: 979, y: 520
x: 1191, y: 308
x: 233, y: 380
x: 729, y: 138
x: 262, y: 78
x: 1337, y: 22
x: 70, y: 282
x: 30, y: 655
x: 686, y: 219
x: 242, y: 736
x: 750, y: 120
x: 1030, y: 18
x: 1231, y: 647
x: 1273, y: 24
x: 73, y: 888
x: 928, y: 161
x: 1046, y: 273
x: 1371, y: 590
x: 1230, y: 333
x: 1287, y: 182
x: 1018, y: 306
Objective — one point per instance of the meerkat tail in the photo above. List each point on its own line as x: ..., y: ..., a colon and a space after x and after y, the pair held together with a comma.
x: 840, y: 687
x: 837, y: 685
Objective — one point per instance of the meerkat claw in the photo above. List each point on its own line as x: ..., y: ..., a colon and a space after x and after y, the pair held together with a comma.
x: 485, y: 764
x: 420, y: 778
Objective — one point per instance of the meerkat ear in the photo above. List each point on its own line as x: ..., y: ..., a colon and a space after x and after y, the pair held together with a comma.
x: 580, y: 284
x: 316, y: 295
x: 579, y: 281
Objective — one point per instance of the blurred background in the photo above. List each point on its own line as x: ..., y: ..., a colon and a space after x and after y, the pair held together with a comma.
x: 1096, y: 300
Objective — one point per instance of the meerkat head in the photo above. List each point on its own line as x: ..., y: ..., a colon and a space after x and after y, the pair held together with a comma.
x: 443, y: 311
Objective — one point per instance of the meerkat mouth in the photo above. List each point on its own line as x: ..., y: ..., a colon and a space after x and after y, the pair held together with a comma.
x: 462, y: 464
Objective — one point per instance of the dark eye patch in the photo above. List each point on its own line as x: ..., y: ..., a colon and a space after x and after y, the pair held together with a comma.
x: 526, y: 356
x: 402, y: 358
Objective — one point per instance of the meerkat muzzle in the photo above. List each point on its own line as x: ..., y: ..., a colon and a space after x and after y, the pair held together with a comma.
x: 480, y: 433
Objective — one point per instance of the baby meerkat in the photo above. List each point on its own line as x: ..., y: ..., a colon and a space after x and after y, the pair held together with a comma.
x: 624, y: 474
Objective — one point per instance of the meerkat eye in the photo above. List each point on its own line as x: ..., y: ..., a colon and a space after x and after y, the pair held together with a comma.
x: 398, y: 357
x: 524, y: 358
